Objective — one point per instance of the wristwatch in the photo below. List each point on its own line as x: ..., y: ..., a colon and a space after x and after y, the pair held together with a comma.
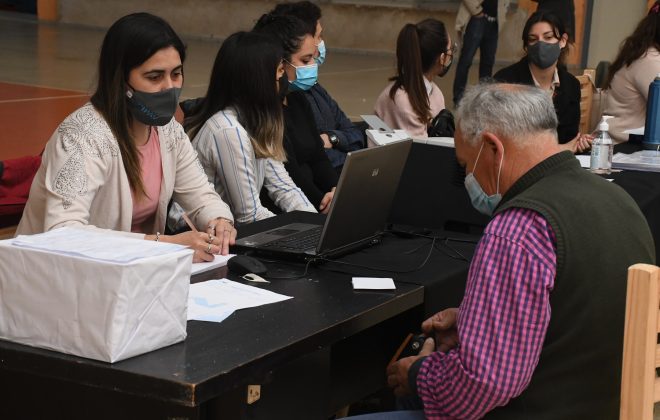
x: 334, y: 140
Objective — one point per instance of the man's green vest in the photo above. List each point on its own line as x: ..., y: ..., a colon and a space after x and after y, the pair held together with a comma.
x: 600, y: 232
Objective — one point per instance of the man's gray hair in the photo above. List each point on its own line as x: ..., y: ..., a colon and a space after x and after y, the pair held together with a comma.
x: 509, y: 111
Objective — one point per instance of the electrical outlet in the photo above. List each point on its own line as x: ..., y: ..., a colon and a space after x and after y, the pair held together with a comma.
x: 253, y: 393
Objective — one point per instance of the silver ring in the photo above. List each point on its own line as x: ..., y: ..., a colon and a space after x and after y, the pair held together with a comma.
x: 211, y: 238
x: 208, y: 249
x: 212, y: 227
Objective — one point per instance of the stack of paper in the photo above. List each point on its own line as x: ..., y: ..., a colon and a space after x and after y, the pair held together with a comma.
x: 644, y: 160
x: 95, y: 245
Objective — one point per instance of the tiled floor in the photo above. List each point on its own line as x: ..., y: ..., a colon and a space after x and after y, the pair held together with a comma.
x: 49, y: 69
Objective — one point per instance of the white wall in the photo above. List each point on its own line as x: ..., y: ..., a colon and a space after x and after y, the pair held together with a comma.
x: 612, y: 21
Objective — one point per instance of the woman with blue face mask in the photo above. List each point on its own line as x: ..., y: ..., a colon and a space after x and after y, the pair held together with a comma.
x: 545, y: 43
x: 307, y: 163
x: 116, y: 162
x: 338, y: 133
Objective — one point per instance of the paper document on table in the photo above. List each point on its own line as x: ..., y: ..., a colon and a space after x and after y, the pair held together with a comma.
x: 95, y: 245
x: 218, y: 261
x: 585, y: 160
x: 644, y: 160
x: 373, y: 283
x: 215, y: 300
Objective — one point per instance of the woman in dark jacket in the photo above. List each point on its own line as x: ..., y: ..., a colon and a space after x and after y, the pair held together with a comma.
x: 545, y: 42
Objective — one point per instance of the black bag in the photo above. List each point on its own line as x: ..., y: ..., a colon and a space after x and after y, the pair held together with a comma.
x: 442, y: 125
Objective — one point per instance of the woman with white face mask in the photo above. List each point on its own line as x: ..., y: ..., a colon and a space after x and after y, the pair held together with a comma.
x: 545, y: 43
x: 307, y: 162
x: 116, y: 162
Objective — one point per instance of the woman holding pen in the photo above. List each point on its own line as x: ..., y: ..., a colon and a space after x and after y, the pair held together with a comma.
x: 116, y: 162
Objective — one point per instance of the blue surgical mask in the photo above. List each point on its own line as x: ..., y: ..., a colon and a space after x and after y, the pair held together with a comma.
x: 484, y: 203
x: 306, y: 76
x: 321, y: 58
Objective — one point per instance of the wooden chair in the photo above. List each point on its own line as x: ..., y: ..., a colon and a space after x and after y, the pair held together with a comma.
x: 7, y: 232
x: 587, y: 88
x: 640, y: 386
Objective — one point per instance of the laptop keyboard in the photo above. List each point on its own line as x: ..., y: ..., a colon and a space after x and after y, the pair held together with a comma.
x: 298, y: 242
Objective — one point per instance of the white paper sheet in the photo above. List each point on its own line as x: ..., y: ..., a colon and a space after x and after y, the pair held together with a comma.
x: 373, y: 283
x: 215, y: 300
x: 219, y: 261
x: 585, y: 160
x: 95, y: 245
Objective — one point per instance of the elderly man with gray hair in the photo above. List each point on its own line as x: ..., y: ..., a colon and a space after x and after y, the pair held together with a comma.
x: 539, y: 333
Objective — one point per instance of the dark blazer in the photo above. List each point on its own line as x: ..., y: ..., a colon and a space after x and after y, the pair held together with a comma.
x: 566, y: 97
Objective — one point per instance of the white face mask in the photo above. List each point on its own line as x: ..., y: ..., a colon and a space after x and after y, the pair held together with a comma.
x: 481, y: 201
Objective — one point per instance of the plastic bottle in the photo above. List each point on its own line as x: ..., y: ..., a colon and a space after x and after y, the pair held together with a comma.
x: 652, y: 126
x: 601, y: 148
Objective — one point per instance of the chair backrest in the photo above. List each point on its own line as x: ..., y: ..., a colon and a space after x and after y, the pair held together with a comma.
x: 587, y: 88
x: 640, y: 388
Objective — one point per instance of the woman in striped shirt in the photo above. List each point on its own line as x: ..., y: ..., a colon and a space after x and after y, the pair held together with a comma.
x: 237, y: 129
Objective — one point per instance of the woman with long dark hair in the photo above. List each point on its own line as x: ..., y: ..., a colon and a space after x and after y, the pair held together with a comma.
x: 423, y: 51
x: 116, y: 162
x: 307, y: 162
x: 630, y: 75
x: 238, y: 128
x: 545, y: 43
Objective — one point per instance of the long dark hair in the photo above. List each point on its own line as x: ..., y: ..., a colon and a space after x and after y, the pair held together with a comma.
x: 557, y: 25
x: 289, y: 30
x: 645, y: 36
x: 306, y: 11
x: 243, y: 77
x: 417, y: 49
x: 129, y: 42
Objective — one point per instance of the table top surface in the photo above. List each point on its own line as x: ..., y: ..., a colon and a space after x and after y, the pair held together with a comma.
x: 216, y: 357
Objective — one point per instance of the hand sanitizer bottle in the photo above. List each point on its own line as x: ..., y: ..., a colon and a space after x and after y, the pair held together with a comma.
x: 601, y: 149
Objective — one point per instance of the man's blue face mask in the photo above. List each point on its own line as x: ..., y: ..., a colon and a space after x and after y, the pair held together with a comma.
x: 306, y: 76
x: 481, y: 201
x: 321, y: 58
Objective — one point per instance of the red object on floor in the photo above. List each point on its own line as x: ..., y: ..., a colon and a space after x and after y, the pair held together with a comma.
x: 15, y: 182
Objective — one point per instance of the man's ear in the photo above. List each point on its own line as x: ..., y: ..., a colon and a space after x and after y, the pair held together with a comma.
x: 493, y: 143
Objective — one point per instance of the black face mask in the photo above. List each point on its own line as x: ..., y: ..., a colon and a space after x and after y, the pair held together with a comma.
x: 283, y: 86
x: 544, y: 54
x: 153, y: 108
x: 445, y: 68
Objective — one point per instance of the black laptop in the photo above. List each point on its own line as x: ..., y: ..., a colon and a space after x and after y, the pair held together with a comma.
x: 358, y: 213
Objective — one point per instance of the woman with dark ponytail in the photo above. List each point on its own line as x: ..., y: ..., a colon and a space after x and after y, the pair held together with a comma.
x: 630, y: 75
x: 423, y: 51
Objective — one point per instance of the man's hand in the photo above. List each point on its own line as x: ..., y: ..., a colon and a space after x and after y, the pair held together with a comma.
x: 442, y: 326
x: 397, y: 372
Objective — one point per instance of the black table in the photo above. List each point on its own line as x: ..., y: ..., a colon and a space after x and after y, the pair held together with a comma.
x: 311, y: 355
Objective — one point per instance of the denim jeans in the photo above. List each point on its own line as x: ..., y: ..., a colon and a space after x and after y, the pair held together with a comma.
x: 481, y: 34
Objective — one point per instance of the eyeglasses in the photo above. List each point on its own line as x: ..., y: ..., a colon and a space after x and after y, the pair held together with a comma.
x: 453, y: 48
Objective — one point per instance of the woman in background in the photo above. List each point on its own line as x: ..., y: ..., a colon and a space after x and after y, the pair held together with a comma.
x: 116, y: 162
x: 423, y: 51
x: 635, y: 67
x: 238, y: 128
x: 545, y: 43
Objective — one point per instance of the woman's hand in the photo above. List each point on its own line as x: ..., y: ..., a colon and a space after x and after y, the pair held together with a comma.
x: 223, y: 231
x: 198, y: 242
x: 324, y: 207
x: 581, y: 143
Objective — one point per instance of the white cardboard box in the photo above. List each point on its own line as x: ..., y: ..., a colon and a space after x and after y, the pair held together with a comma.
x: 99, y: 310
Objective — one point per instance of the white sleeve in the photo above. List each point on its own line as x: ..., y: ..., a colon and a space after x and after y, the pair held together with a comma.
x: 282, y: 190
x: 231, y: 166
